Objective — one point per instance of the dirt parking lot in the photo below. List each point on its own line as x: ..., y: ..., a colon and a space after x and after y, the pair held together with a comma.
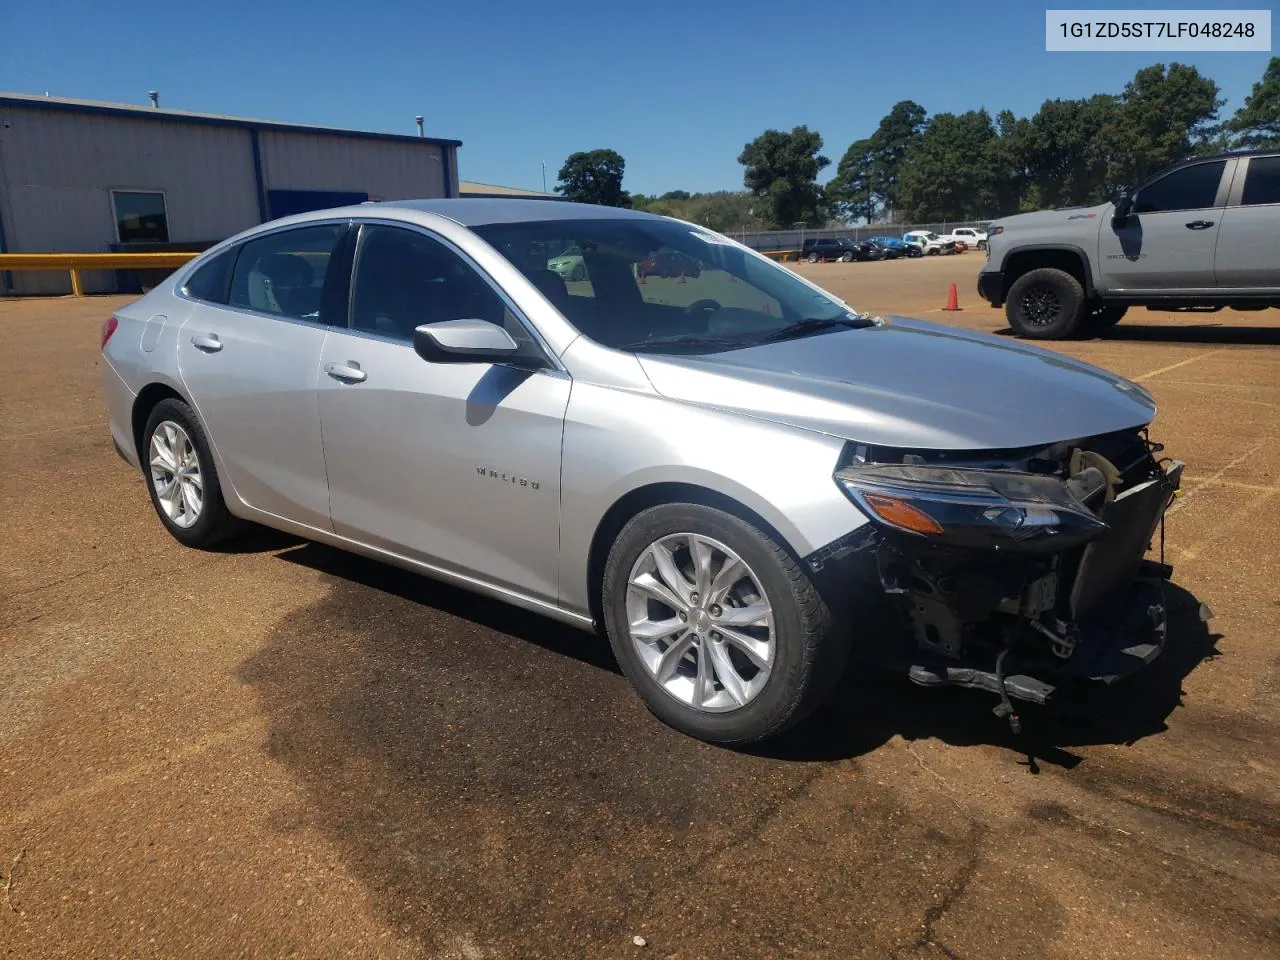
x: 281, y: 750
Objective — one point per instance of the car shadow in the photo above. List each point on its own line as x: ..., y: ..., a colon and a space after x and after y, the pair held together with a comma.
x: 1201, y: 333
x: 867, y: 708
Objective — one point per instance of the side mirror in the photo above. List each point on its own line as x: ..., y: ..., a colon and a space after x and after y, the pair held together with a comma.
x: 469, y: 341
x: 1123, y: 207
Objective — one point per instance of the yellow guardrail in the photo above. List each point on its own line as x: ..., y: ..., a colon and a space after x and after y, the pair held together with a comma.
x: 782, y: 255
x: 73, y: 263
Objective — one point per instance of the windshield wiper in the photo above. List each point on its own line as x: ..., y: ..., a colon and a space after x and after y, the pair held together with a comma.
x: 685, y: 340
x: 802, y: 328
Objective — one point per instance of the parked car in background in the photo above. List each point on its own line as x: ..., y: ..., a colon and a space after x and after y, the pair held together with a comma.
x: 666, y: 263
x: 972, y: 236
x: 1203, y: 234
x: 835, y: 248
x: 897, y: 247
x: 733, y: 489
x: 929, y: 242
x: 569, y: 264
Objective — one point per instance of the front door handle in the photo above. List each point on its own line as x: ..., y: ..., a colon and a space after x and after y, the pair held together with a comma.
x: 209, y: 344
x: 1199, y: 224
x: 348, y: 372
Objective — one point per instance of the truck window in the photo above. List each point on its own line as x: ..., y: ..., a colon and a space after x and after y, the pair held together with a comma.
x: 1191, y: 188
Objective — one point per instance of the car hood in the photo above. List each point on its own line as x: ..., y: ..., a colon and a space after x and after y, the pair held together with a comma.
x: 910, y: 383
x: 1055, y: 218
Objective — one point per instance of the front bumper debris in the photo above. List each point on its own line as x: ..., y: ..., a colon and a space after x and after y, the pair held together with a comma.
x: 1020, y: 616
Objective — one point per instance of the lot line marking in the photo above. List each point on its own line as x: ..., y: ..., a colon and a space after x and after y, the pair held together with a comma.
x: 1180, y: 363
x: 57, y: 803
x: 1233, y: 484
x: 42, y: 433
x: 1213, y: 477
x: 1199, y: 547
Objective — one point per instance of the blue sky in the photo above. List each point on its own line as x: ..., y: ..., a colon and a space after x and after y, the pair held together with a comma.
x: 676, y: 87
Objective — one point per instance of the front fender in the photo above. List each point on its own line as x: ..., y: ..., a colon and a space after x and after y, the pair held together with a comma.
x: 619, y: 441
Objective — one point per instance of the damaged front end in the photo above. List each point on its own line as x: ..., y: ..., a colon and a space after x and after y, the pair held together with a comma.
x: 1017, y: 569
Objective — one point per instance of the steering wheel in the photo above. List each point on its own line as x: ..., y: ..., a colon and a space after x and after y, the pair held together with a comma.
x: 707, y: 305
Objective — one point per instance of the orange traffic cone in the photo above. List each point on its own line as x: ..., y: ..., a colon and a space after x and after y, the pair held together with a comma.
x: 953, y: 299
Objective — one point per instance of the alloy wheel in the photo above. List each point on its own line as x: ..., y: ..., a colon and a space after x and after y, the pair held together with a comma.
x: 700, y: 622
x: 1041, y: 305
x: 175, y: 474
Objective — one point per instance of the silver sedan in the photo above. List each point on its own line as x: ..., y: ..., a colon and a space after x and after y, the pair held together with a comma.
x: 733, y: 474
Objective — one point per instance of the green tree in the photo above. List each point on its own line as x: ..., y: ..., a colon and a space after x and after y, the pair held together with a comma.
x: 945, y: 173
x: 1066, y: 163
x: 898, y: 130
x: 782, y: 170
x: 1165, y: 112
x: 1256, y: 125
x: 594, y: 176
x: 852, y: 191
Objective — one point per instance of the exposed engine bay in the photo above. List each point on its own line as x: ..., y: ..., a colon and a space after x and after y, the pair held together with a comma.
x: 1015, y: 569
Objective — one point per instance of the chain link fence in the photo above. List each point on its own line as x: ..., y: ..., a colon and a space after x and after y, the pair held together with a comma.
x: 794, y: 239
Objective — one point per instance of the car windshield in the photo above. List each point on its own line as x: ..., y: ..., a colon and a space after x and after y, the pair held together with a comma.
x: 665, y: 287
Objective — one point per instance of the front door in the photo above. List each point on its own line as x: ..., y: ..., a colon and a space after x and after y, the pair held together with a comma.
x: 250, y: 366
x: 455, y: 465
x: 1167, y: 243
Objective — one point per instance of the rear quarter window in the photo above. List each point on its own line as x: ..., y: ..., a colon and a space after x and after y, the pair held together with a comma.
x: 211, y: 281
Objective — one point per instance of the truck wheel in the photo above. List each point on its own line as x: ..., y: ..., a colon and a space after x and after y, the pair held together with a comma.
x: 1045, y: 304
x: 813, y: 258
x: 1104, y: 316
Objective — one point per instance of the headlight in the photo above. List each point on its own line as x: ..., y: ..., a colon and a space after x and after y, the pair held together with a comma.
x: 966, y: 507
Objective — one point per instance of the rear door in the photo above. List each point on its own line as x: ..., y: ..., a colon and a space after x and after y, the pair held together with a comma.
x: 250, y: 365
x: 1167, y: 243
x: 1248, y: 253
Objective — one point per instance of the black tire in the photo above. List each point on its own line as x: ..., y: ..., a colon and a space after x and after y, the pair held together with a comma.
x: 846, y: 257
x: 810, y: 652
x: 813, y: 258
x: 214, y: 522
x: 579, y: 272
x: 982, y: 244
x: 1045, y: 304
x: 1104, y: 316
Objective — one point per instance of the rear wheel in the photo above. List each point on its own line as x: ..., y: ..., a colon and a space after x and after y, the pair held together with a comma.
x: 1045, y: 304
x: 181, y: 477
x: 579, y: 272
x: 716, y: 626
x: 813, y: 258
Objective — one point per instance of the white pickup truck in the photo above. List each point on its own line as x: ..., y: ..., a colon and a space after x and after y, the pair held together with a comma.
x: 929, y: 242
x: 972, y: 236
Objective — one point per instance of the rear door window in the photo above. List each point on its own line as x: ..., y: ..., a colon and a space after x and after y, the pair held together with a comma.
x: 284, y: 273
x: 1262, y: 183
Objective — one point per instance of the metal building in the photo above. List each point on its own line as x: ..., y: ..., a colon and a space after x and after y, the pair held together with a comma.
x: 78, y: 176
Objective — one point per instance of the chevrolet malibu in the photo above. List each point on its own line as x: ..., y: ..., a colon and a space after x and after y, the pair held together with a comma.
x: 737, y: 477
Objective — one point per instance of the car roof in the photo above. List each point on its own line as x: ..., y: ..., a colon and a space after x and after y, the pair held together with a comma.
x: 480, y: 211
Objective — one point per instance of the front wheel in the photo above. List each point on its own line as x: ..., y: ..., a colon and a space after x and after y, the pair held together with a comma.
x: 846, y: 257
x: 579, y: 272
x: 1045, y: 304
x: 982, y: 244
x: 717, y: 627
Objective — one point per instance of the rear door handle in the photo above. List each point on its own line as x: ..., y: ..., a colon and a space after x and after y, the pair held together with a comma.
x: 209, y: 344
x: 348, y: 372
x: 1199, y: 224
